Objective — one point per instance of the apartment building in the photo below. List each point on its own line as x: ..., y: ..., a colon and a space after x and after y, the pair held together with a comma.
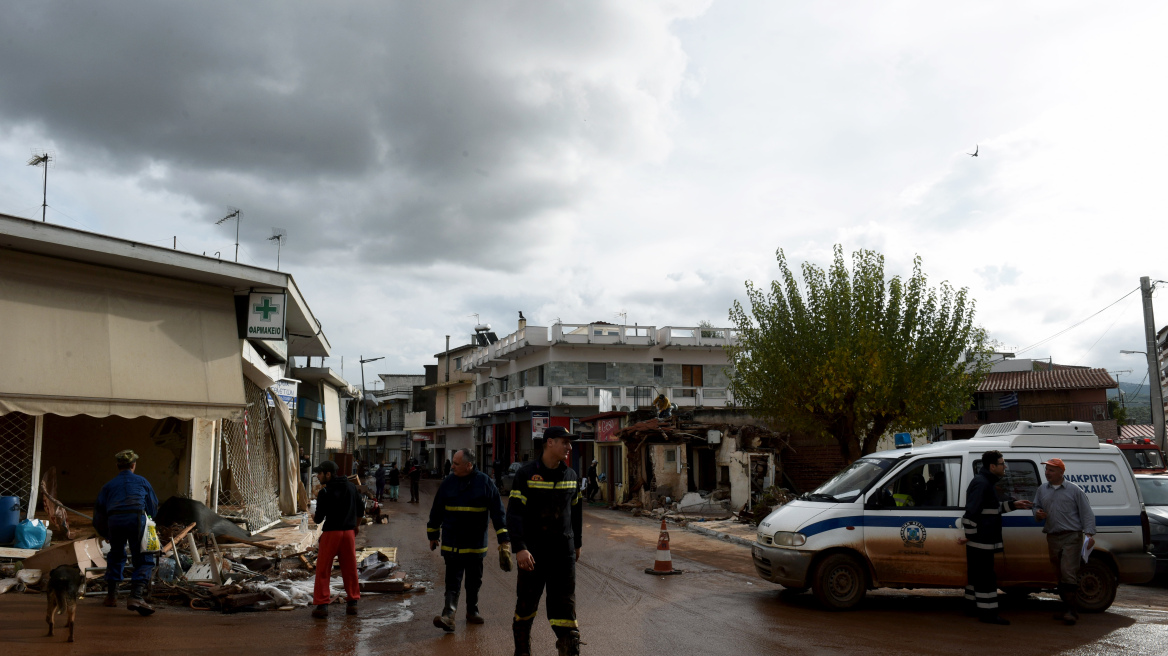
x: 580, y: 375
x: 446, y: 430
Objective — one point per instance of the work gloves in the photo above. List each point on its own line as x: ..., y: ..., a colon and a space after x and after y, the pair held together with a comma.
x: 505, y: 558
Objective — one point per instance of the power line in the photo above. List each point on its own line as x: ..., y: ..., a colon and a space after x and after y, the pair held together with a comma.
x: 1076, y: 324
x: 1096, y: 342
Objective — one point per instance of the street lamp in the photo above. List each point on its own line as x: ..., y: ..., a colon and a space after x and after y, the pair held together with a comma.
x: 364, y: 411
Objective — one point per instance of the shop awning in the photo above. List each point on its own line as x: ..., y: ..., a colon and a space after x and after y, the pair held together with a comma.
x: 83, y: 339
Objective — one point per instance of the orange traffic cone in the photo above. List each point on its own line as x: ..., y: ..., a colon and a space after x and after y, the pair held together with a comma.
x: 664, y: 563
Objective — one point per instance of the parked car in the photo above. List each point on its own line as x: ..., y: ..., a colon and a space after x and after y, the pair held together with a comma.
x: 890, y: 520
x: 1154, y: 489
x: 509, y: 478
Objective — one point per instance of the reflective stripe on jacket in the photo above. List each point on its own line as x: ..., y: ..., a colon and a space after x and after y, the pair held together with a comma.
x: 460, y: 512
x: 982, y: 520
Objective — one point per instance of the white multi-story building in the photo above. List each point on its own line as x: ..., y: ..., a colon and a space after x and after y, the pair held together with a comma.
x: 566, y: 374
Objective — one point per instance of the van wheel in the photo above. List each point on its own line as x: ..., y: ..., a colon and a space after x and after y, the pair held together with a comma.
x: 1097, y: 587
x: 839, y: 582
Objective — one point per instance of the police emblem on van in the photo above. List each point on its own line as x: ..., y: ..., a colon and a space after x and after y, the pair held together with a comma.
x: 913, y: 534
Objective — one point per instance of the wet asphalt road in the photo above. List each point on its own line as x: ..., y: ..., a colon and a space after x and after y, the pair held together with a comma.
x: 717, y: 607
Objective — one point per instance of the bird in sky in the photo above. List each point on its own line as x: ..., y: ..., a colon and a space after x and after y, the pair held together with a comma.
x: 974, y: 153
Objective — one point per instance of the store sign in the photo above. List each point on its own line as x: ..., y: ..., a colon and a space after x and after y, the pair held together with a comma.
x: 265, y: 316
x: 606, y: 429
x: 423, y: 437
x: 539, y: 422
x: 285, y: 388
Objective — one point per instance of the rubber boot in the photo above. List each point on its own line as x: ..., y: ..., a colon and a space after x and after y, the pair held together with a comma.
x: 472, y: 608
x: 351, y: 607
x: 138, y: 600
x: 522, y: 633
x: 1070, y: 617
x: 568, y: 642
x: 320, y: 612
x: 445, y: 621
x: 111, y: 595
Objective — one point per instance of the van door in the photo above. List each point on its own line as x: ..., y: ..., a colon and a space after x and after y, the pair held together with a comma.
x: 910, y: 525
x: 1025, y: 557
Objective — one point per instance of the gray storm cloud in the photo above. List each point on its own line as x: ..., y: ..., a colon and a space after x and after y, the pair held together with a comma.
x: 429, y: 129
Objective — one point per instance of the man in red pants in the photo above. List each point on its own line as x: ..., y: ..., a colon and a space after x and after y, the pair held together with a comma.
x: 339, y: 507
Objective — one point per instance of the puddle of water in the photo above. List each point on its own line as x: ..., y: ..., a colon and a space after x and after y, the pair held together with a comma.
x: 369, y: 638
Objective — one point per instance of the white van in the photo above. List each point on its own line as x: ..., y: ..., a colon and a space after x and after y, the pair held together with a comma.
x: 890, y: 519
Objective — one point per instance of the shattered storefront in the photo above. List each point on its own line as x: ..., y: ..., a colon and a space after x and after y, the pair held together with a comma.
x: 700, y: 466
x: 117, y: 347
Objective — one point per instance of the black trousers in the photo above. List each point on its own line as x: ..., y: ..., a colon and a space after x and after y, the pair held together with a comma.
x: 593, y: 488
x: 556, y: 571
x: 472, y: 566
x: 380, y: 489
x: 981, y: 588
x: 414, y: 494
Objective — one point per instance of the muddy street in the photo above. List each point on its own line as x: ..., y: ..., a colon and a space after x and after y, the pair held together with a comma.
x: 717, y: 607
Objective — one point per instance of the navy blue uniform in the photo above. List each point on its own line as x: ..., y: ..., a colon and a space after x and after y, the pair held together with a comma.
x: 459, y: 516
x: 545, y: 517
x: 120, y: 517
x: 982, y: 522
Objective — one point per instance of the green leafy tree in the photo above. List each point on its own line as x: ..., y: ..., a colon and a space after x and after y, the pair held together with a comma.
x: 854, y: 355
x: 1118, y: 412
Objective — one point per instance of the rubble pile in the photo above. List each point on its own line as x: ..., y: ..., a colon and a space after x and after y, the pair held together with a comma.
x: 218, y: 569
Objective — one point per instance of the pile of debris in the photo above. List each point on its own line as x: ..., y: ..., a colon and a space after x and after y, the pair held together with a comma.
x: 207, y: 562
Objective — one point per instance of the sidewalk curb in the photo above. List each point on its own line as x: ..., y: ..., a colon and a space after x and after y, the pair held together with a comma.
x: 719, y: 535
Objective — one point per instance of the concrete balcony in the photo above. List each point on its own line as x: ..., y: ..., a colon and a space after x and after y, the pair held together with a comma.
x: 415, y: 420
x: 700, y: 397
x: 695, y: 336
x: 516, y: 345
x: 603, y: 334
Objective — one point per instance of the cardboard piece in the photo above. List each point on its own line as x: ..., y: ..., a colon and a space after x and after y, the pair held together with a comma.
x: 85, y: 553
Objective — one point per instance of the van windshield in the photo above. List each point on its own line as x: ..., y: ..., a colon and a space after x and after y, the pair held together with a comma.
x: 1154, y: 491
x: 851, y: 482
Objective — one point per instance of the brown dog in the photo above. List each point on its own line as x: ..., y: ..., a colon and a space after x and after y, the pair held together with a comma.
x: 66, y: 584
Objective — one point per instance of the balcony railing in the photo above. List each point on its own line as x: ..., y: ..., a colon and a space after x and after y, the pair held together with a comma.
x: 589, y: 395
x: 1038, y: 413
x: 381, y: 426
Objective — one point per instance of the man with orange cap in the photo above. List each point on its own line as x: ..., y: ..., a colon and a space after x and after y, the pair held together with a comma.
x: 1066, y: 514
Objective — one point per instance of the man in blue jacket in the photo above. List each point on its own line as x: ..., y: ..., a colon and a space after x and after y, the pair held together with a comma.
x: 458, y: 521
x: 120, y: 517
x: 982, y: 522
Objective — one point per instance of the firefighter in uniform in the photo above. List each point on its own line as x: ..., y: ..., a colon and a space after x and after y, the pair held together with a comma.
x: 982, y: 522
x: 545, y: 520
x: 458, y: 521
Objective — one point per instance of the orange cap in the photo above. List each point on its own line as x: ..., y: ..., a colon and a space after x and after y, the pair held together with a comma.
x: 1056, y: 462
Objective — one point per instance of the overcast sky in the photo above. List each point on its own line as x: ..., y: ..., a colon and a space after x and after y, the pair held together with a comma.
x: 431, y: 160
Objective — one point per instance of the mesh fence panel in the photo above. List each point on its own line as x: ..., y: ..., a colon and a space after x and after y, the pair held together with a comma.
x: 249, y: 485
x: 16, y: 444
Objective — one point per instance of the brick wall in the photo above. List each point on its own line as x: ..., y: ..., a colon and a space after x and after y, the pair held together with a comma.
x: 809, y: 462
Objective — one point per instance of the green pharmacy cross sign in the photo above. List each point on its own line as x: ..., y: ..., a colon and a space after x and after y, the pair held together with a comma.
x: 265, y: 317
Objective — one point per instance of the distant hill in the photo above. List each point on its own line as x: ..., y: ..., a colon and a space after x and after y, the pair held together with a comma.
x: 1134, y: 394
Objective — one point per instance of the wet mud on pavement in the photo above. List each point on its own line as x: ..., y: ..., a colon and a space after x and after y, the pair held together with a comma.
x: 718, y: 607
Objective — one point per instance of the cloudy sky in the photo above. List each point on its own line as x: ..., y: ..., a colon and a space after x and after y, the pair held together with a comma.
x: 573, y: 160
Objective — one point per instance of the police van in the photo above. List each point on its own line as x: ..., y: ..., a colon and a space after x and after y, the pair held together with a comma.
x: 890, y: 520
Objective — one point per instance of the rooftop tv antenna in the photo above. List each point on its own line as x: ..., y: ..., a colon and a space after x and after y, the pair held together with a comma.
x: 43, y: 158
x: 278, y: 236
x: 237, y: 214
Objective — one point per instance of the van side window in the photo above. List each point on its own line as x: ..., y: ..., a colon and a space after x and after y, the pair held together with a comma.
x: 1021, y: 480
x: 929, y: 483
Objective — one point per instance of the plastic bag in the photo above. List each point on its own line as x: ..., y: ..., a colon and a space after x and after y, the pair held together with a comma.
x: 150, y: 541
x: 30, y: 534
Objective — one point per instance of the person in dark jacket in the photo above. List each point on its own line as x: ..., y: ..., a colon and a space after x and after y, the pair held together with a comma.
x: 379, y: 477
x: 982, y: 522
x: 415, y: 474
x: 119, y: 516
x: 593, y: 482
x: 305, y: 469
x: 545, y: 521
x: 339, y: 507
x: 393, y: 479
x: 446, y: 468
x: 458, y: 521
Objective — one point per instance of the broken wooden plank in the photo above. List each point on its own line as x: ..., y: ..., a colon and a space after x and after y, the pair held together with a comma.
x: 178, y: 538
x: 9, y: 552
x: 251, y: 543
x: 389, y: 585
x: 244, y: 599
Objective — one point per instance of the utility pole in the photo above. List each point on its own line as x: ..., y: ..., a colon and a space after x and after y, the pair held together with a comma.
x: 446, y: 405
x: 1157, y: 395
